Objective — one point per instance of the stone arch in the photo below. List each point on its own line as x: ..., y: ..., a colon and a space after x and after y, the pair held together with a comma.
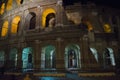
x: 4, y: 31
x: 31, y: 20
x: 108, y: 57
x: 95, y: 53
x: 27, y: 58
x: 72, y: 56
x: 9, y: 5
x: 50, y: 20
x: 47, y: 13
x: 2, y: 9
x: 86, y: 24
x: 19, y: 1
x: 48, y: 57
x: 107, y: 28
x: 15, y: 24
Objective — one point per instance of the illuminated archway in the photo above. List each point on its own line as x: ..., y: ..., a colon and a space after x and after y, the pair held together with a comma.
x: 48, y: 57
x: 15, y: 24
x: 86, y: 24
x: 4, y: 29
x: 9, y: 5
x: 108, y: 57
x: 2, y: 9
x: 95, y: 54
x: 107, y: 28
x: 50, y: 20
x: 45, y: 14
x: 19, y: 2
x: 90, y: 27
x: 72, y: 56
x: 27, y: 58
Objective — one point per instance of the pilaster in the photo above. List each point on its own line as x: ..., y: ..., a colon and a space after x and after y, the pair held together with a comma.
x: 37, y: 55
x: 85, y: 58
x: 19, y: 62
x: 60, y: 63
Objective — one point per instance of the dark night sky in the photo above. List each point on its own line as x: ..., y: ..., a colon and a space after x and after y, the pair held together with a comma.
x: 111, y: 3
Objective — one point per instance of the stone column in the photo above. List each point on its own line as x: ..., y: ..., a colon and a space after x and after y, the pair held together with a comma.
x: 84, y: 55
x: 60, y: 54
x: 40, y: 10
x: 10, y: 18
x: 21, y: 26
x: 91, y: 36
x: 59, y: 15
x: 37, y: 54
x: 19, y: 60
x: 38, y: 18
x: 81, y: 64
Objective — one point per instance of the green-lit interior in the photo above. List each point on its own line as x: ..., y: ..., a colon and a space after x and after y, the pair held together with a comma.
x: 25, y: 53
x: 48, y: 57
x: 76, y: 59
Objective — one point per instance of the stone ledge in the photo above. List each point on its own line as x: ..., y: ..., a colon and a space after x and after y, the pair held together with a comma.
x: 96, y: 74
x: 50, y: 74
x: 11, y: 73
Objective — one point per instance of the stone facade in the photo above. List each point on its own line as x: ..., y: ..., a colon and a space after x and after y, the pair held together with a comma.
x: 66, y: 34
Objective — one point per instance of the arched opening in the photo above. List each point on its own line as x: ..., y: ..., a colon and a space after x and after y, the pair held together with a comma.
x: 48, y: 17
x: 72, y: 59
x: 13, y: 58
x: 72, y: 56
x: 4, y: 29
x: 95, y: 54
x: 108, y: 57
x: 15, y: 24
x: 2, y: 59
x: 50, y: 20
x: 86, y: 24
x: 90, y: 27
x: 19, y: 2
x: 27, y: 58
x: 2, y: 9
x: 31, y: 21
x: 107, y: 28
x: 9, y: 4
x: 48, y: 57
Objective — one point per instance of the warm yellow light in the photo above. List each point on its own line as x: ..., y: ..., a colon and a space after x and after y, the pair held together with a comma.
x: 107, y: 28
x: 2, y: 8
x: 15, y: 24
x: 18, y: 2
x: 44, y: 15
x: 90, y: 27
x: 4, y: 29
x: 9, y: 5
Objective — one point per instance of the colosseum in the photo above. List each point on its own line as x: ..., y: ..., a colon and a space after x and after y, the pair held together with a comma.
x: 46, y: 38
